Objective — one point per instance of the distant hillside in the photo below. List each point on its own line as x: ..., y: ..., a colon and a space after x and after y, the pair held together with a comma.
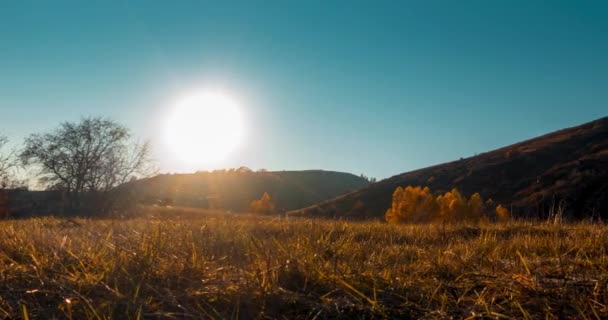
x: 235, y: 190
x: 567, y: 167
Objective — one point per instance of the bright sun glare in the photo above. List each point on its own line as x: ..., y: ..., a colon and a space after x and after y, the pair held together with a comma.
x: 204, y: 127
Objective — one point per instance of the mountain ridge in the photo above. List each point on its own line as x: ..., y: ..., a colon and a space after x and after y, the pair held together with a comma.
x: 234, y: 190
x: 565, y: 169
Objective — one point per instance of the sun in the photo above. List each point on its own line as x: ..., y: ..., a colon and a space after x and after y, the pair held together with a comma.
x: 203, y: 128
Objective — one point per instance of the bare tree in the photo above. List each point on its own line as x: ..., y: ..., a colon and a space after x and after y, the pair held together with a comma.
x: 7, y: 163
x: 87, y: 161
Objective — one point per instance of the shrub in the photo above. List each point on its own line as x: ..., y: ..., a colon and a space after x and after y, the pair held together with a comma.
x: 417, y: 204
x: 502, y: 214
x: 264, y: 205
x: 412, y: 204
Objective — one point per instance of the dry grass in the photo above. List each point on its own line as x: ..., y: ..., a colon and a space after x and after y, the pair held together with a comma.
x: 225, y: 266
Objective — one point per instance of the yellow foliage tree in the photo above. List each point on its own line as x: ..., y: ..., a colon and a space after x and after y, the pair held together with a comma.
x: 502, y: 214
x: 476, y: 207
x: 264, y: 205
x: 416, y: 204
x: 458, y: 206
x: 412, y: 204
x: 393, y: 213
x: 453, y: 206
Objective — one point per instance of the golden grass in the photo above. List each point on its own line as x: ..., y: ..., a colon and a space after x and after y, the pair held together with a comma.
x: 228, y: 266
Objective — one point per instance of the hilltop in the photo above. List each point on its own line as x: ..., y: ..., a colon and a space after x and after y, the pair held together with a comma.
x: 566, y: 170
x: 234, y: 190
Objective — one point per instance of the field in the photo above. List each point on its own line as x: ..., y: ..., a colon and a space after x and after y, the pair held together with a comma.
x: 210, y: 265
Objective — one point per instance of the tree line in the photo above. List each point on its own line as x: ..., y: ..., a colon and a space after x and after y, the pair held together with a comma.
x: 418, y: 205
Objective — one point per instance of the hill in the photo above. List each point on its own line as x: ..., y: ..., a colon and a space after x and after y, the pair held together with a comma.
x: 566, y: 169
x: 234, y: 190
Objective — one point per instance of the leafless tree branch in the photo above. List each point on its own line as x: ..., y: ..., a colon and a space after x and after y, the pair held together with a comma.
x: 87, y: 160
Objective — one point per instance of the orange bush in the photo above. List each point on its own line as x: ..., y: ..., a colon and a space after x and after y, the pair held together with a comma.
x: 417, y: 204
x: 412, y: 204
x: 502, y: 214
x: 264, y: 205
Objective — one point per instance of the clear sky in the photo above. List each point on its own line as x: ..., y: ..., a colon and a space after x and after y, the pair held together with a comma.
x: 368, y: 87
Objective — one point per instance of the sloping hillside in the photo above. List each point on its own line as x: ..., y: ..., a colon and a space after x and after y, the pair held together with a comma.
x: 567, y: 168
x: 235, y: 190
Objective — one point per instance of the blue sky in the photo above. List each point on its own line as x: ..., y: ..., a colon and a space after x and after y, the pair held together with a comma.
x: 368, y: 87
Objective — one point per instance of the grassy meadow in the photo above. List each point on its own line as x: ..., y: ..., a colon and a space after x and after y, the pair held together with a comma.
x: 184, y: 264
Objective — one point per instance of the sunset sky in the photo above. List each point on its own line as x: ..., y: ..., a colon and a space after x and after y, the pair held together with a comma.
x: 360, y: 86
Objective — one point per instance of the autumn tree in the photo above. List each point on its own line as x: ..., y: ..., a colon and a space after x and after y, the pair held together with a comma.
x: 87, y: 160
x: 502, y: 214
x: 476, y: 207
x: 453, y: 206
x: 395, y: 214
x: 264, y: 205
x: 412, y: 204
x: 417, y: 204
